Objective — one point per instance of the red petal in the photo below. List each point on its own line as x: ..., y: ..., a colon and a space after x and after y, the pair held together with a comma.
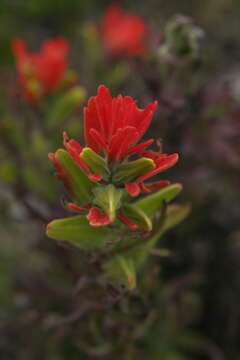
x: 140, y: 147
x: 73, y: 143
x: 74, y: 149
x: 97, y: 218
x: 125, y: 220
x: 121, y: 141
x: 60, y: 172
x: 148, y: 188
x: 163, y: 163
x: 147, y: 115
x: 94, y: 178
x: 98, y: 139
x: 103, y: 102
x: 75, y: 208
x: 91, y: 121
x: 133, y: 189
x: 154, y: 155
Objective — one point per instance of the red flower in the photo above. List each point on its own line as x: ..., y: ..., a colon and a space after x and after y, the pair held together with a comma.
x: 123, y: 34
x: 41, y: 72
x: 113, y: 128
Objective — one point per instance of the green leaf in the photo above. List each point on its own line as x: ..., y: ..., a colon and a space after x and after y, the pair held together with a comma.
x: 122, y: 270
x: 80, y: 185
x: 77, y: 231
x: 138, y: 217
x: 153, y: 203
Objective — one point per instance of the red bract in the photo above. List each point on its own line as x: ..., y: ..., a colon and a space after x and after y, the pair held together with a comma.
x: 123, y: 34
x: 40, y: 72
x: 114, y: 126
x: 97, y: 217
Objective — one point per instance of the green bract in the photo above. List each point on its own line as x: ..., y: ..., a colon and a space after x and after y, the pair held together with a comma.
x: 77, y: 231
x: 108, y: 198
x: 96, y: 163
x: 130, y: 171
x: 79, y: 184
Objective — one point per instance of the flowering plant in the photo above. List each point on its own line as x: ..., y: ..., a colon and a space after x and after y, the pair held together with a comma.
x: 105, y: 176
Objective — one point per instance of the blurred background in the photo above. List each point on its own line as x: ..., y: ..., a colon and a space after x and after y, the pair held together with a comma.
x: 52, y: 304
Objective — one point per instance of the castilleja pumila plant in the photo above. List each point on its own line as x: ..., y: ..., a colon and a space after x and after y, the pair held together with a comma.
x: 111, y: 184
x: 40, y: 73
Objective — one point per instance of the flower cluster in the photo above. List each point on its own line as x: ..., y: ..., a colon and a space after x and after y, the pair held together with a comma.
x: 41, y: 72
x: 123, y: 34
x: 114, y: 163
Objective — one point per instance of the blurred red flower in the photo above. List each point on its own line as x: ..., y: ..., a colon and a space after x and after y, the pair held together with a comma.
x: 123, y: 34
x: 40, y: 72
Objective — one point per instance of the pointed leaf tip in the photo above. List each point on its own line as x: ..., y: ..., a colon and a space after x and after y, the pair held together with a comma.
x: 153, y: 203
